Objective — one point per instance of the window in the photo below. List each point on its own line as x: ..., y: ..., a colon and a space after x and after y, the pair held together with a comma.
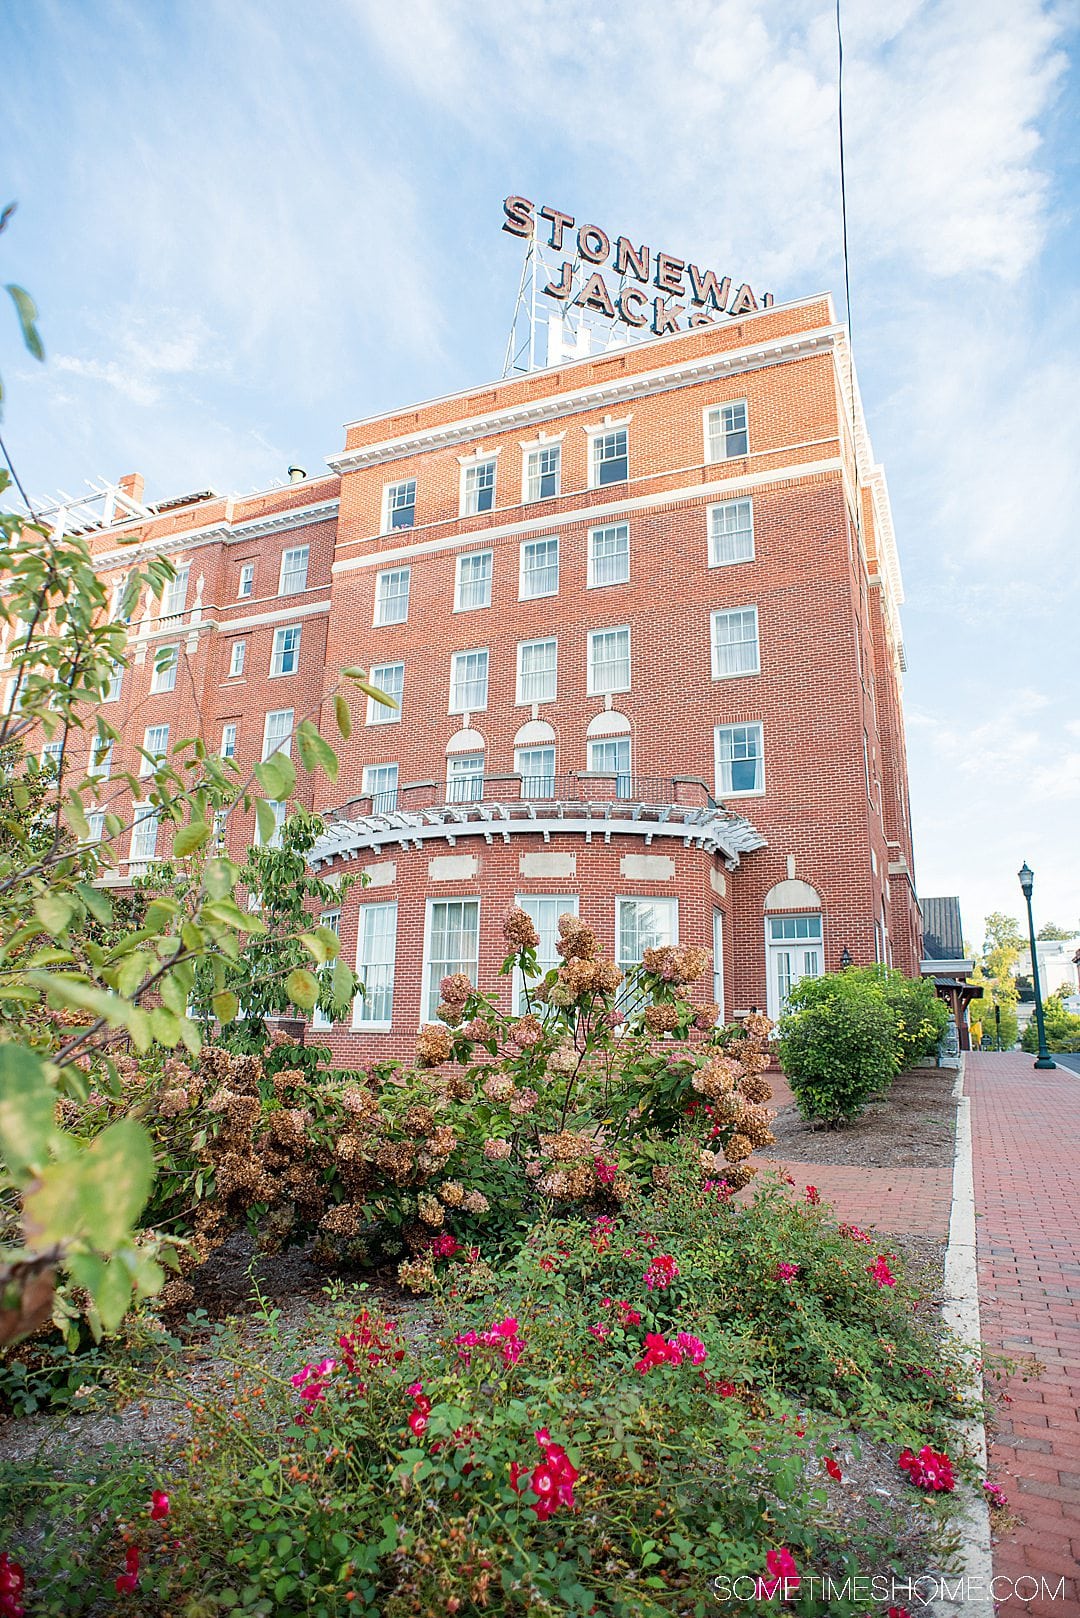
x: 718, y: 961
x: 115, y: 685
x: 740, y: 762
x: 725, y: 432
x: 539, y: 569
x: 612, y: 757
x: 545, y: 912
x: 735, y: 643
x: 247, y: 581
x: 866, y: 764
x: 164, y: 675
x: 279, y: 807
x: 478, y: 488
x: 465, y: 778
x: 95, y: 826
x: 119, y: 592
x: 536, y: 766
x: 392, y: 596
x: 101, y: 751
x: 451, y: 944
x: 380, y: 785
x: 376, y: 945
x: 237, y: 654
x: 332, y: 920
x: 286, y: 653
x: 294, y: 570
x: 220, y: 825
x: 468, y: 681
x: 609, y: 555
x: 388, y: 677
x: 543, y: 472
x: 609, y: 661
x: 473, y: 587
x: 731, y: 533
x: 174, y: 595
x: 642, y: 924
x: 277, y: 732
x: 228, y: 741
x: 144, y: 830
x: 537, y: 670
x: 51, y: 755
x: 610, y: 462
x: 156, y: 744
x: 399, y: 505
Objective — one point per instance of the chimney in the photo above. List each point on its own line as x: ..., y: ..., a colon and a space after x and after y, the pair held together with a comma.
x: 132, y: 484
x: 297, y: 474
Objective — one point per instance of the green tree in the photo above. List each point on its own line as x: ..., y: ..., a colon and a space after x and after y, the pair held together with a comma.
x: 1051, y: 930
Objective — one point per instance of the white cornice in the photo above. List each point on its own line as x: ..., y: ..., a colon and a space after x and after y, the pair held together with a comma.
x: 729, y: 488
x: 221, y: 533
x: 615, y: 390
x: 282, y: 615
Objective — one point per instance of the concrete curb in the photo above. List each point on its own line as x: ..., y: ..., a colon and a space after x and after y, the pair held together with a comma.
x: 960, y: 1312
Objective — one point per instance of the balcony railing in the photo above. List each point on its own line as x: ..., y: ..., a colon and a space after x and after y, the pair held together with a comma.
x: 586, y: 786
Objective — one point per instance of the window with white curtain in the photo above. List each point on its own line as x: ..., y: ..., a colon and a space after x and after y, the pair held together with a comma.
x: 609, y: 555
x: 609, y: 661
x: 735, y: 642
x: 731, y: 532
x: 451, y: 944
x: 376, y: 947
x: 537, y: 670
x: 392, y: 596
x: 473, y: 587
x: 468, y: 681
x: 539, y: 568
x: 545, y: 910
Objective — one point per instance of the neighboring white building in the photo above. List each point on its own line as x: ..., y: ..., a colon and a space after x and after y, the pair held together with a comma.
x: 1057, y: 968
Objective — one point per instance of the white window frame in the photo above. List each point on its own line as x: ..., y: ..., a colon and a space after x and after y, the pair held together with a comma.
x: 465, y: 777
x: 464, y: 561
x: 385, y: 598
x: 566, y: 904
x: 383, y: 910
x: 141, y: 815
x: 99, y: 764
x: 671, y: 905
x: 377, y: 712
x: 754, y: 665
x: 595, y: 690
x: 522, y: 699
x: 623, y: 778
x: 621, y: 529
x: 163, y: 675
x: 53, y: 753
x: 388, y: 506
x: 95, y: 827
x: 457, y: 703
x: 524, y: 572
x: 429, y: 993
x: 529, y: 774
x: 246, y: 583
x: 372, y: 774
x: 469, y: 496
x: 736, y: 792
x: 281, y: 650
x: 725, y: 432
x: 237, y: 657
x: 280, y: 807
x: 596, y: 436
x: 715, y: 518
x: 278, y: 743
x: 115, y: 685
x: 159, y: 751
x: 174, y: 593
x: 528, y: 477
x: 228, y: 739
x: 291, y: 570
x: 331, y: 919
x: 718, y: 961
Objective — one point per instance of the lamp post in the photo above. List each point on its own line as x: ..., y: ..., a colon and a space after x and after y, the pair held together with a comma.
x: 1027, y: 882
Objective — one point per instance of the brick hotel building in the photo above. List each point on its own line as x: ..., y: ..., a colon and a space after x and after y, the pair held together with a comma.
x: 641, y: 615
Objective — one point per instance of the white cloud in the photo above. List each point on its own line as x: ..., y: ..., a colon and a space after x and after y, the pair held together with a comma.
x: 149, y: 349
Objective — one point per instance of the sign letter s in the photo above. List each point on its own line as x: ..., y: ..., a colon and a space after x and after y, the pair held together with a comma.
x: 520, y: 216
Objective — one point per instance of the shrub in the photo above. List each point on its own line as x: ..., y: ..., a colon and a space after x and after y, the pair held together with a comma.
x: 838, y: 1044
x: 921, y: 1017
x: 1062, y: 1027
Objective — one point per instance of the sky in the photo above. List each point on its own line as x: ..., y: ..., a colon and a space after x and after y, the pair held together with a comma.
x: 246, y: 222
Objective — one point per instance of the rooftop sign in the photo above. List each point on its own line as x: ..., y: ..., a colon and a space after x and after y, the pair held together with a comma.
x: 581, y: 283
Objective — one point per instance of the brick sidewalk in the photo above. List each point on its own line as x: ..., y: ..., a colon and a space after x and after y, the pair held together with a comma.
x: 1026, y: 1148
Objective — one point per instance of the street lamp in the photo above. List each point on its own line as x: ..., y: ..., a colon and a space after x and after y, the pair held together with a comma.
x: 1027, y: 882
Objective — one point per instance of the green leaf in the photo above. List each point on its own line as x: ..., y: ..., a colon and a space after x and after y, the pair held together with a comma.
x: 265, y: 820
x: 342, y: 983
x: 220, y: 877
x: 302, y: 988
x: 226, y: 1006
x: 362, y: 683
x: 191, y: 837
x: 54, y: 911
x: 98, y: 903
x: 315, y: 752
x: 160, y: 912
x: 315, y: 947
x: 26, y: 309
x: 342, y: 715
x: 277, y: 776
x: 331, y: 941
x: 76, y: 817
x: 95, y: 1196
x: 26, y: 1111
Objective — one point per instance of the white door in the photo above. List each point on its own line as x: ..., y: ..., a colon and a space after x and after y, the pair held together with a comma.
x: 795, y: 951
